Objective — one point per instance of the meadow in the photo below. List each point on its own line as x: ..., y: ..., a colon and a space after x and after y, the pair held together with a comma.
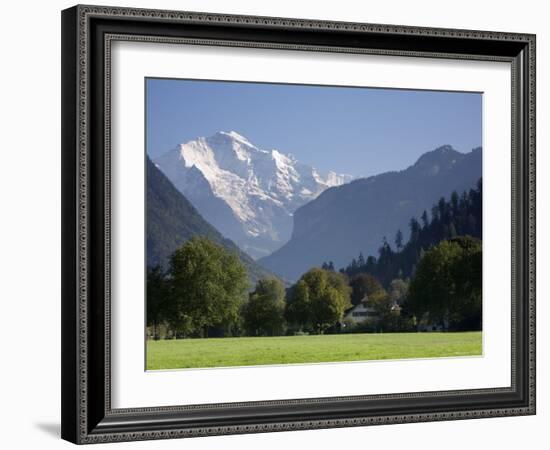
x: 251, y: 351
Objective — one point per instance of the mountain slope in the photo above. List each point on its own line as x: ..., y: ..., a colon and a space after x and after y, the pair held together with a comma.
x: 247, y: 193
x: 356, y: 216
x: 172, y: 220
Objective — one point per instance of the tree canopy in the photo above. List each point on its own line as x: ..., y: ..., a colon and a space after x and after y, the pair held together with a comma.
x: 447, y: 284
x: 319, y: 300
x: 363, y: 284
x: 434, y: 276
x: 263, y: 314
x: 208, y: 285
x: 157, y: 296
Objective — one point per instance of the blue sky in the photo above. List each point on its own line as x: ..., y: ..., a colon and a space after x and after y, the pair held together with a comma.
x: 358, y: 131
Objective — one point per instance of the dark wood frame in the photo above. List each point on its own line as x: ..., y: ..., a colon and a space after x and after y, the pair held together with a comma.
x: 87, y: 32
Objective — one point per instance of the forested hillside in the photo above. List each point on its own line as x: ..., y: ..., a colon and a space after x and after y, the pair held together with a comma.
x: 356, y: 215
x: 459, y: 215
x: 172, y: 220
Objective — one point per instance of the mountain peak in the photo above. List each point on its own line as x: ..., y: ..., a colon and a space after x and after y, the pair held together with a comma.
x: 261, y: 188
x: 343, y: 220
x: 441, y: 155
x: 233, y: 135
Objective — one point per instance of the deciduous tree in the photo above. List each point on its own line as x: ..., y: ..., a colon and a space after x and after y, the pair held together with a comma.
x: 363, y: 285
x: 157, y: 296
x: 208, y: 285
x: 447, y: 284
x: 319, y: 300
x: 263, y: 314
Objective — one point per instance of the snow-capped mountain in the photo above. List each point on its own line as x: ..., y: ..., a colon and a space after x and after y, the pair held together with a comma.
x: 247, y: 193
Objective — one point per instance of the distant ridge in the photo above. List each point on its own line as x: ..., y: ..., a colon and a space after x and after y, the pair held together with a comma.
x: 356, y: 216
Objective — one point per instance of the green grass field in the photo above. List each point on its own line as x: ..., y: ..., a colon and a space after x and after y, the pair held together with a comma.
x: 251, y: 351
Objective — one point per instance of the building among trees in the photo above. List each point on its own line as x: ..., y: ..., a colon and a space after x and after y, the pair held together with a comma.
x: 361, y: 313
x: 366, y: 312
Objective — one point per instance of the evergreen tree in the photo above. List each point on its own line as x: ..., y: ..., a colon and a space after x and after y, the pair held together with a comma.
x: 399, y: 240
x: 460, y: 216
x: 370, y: 266
x: 415, y: 229
x: 425, y: 221
x: 454, y: 203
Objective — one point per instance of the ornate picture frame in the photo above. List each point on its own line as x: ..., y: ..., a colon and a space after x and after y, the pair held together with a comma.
x: 88, y: 33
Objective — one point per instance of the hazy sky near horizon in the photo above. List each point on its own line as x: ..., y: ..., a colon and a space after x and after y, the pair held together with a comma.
x: 358, y: 131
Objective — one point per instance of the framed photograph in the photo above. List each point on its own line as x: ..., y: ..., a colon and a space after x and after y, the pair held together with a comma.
x: 279, y: 224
